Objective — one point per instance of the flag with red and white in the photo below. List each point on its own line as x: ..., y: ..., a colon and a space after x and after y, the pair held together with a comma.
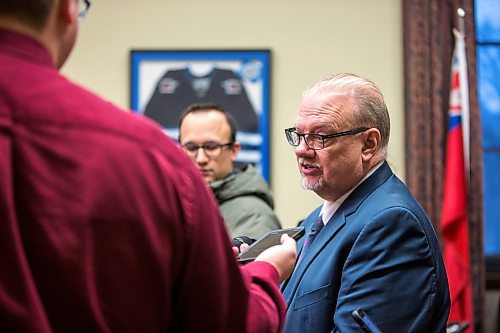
x: 454, y: 219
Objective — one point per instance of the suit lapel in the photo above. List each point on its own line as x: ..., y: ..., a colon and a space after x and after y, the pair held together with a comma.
x: 348, y: 207
x: 334, y: 225
x: 329, y: 231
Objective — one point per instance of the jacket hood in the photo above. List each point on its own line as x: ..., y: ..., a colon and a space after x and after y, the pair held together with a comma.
x: 242, y: 182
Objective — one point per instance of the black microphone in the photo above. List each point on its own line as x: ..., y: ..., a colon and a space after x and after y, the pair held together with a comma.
x: 238, y: 241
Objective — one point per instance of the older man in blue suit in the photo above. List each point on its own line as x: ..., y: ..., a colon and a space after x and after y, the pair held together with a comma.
x: 370, y: 245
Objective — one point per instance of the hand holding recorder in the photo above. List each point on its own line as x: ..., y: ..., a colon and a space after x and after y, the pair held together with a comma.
x: 282, y: 257
x: 278, y: 248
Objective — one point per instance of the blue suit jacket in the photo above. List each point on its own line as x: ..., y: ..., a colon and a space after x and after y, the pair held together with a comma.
x: 379, y: 252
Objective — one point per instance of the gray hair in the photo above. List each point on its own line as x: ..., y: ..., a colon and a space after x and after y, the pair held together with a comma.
x: 369, y: 109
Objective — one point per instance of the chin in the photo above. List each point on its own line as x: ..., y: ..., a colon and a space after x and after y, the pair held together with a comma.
x: 314, y: 185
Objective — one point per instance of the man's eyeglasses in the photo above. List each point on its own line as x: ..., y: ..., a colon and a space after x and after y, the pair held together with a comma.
x: 83, y: 8
x: 211, y: 149
x: 316, y: 141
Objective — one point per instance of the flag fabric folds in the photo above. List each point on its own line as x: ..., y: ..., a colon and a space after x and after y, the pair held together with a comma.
x: 454, y: 221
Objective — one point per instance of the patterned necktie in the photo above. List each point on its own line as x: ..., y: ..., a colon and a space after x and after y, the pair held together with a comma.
x: 315, y: 229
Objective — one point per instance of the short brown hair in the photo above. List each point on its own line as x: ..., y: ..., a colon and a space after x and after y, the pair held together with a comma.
x: 203, y: 107
x: 31, y: 12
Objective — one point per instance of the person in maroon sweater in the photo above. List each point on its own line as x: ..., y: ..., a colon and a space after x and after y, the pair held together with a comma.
x: 105, y: 224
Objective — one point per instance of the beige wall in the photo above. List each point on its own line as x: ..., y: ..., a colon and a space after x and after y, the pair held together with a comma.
x: 308, y: 40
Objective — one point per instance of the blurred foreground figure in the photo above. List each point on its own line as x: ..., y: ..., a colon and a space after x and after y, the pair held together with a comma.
x: 105, y: 224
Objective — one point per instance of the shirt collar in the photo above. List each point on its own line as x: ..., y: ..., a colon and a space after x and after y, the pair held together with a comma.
x: 329, y: 208
x: 23, y: 46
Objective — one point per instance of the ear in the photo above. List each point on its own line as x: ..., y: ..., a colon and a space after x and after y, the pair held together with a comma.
x: 235, y: 150
x: 371, y: 143
x: 68, y: 10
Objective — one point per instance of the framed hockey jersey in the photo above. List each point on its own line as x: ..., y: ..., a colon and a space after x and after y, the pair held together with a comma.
x: 164, y: 83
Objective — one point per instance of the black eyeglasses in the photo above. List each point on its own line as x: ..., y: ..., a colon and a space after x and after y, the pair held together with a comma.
x: 83, y: 8
x: 211, y: 149
x: 316, y: 141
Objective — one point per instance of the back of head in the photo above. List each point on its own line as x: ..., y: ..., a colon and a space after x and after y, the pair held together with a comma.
x: 53, y: 23
x: 33, y: 13
x: 369, y: 109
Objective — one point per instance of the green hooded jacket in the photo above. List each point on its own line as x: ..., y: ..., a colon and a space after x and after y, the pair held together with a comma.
x: 246, y: 203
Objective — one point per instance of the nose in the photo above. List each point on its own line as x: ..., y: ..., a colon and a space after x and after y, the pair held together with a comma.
x: 303, y: 150
x: 200, y: 157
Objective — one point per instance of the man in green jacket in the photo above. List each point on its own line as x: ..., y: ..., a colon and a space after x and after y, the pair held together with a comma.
x: 208, y: 135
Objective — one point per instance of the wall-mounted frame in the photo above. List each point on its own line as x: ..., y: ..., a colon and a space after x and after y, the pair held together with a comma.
x: 164, y: 83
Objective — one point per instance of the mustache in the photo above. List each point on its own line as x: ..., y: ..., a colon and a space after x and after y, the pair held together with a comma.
x: 309, y: 164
